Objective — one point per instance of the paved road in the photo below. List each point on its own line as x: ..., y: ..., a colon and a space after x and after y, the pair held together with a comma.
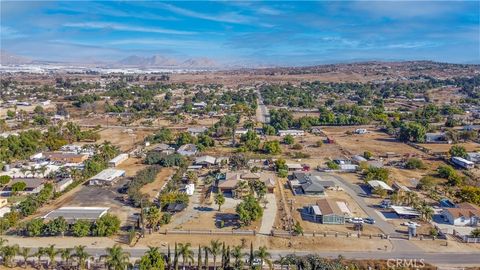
x: 457, y: 259
x: 263, y: 116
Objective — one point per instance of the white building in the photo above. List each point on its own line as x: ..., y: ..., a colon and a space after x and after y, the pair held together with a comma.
x: 195, y: 131
x: 466, y: 164
x: 293, y: 132
x: 464, y: 214
x: 187, y: 150
x: 380, y: 184
x: 106, y: 177
x: 360, y: 131
x: 205, y: 161
x: 118, y: 160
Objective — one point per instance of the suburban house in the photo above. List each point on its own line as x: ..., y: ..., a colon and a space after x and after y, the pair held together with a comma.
x: 164, y: 149
x: 464, y: 214
x: 114, y: 162
x: 436, y: 138
x: 400, y: 188
x: 195, y: 131
x: 33, y: 186
x: 205, y: 161
x: 229, y: 184
x: 64, y: 157
x: 463, y: 163
x: 325, y: 211
x: 308, y: 184
x: 293, y: 132
x: 474, y: 157
x: 241, y: 131
x: 199, y: 105
x: 291, y: 167
x: 187, y: 149
x: 374, y: 184
x: 106, y: 177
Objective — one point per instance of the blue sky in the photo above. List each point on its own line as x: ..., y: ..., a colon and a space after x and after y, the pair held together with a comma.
x: 254, y: 33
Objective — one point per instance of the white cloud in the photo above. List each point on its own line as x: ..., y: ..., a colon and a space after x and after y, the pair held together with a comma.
x: 228, y: 17
x: 9, y: 33
x: 122, y: 27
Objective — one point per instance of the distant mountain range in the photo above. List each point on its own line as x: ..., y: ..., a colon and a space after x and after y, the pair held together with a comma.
x: 7, y: 58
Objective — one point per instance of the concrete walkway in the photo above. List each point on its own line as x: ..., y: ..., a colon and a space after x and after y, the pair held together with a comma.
x: 269, y: 214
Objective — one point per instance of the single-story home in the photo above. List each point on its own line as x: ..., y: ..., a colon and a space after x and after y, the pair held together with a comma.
x: 293, y: 132
x: 205, y: 161
x: 463, y: 163
x: 474, y: 157
x: 405, y: 211
x: 357, y: 159
x: 187, y: 150
x: 33, y: 186
x: 229, y: 184
x: 464, y: 214
x: 308, y: 184
x: 379, y: 184
x: 65, y: 157
x: 114, y: 162
x: 327, y: 212
x: 195, y: 131
x: 439, y: 137
x: 106, y: 177
x: 294, y: 167
x: 164, y: 149
x: 241, y: 131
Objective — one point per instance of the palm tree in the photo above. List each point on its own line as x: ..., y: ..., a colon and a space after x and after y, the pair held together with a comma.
x: 65, y: 254
x: 219, y: 200
x: 152, y: 259
x: 214, y: 249
x: 237, y: 255
x: 33, y: 171
x: 186, y: 253
x: 25, y: 253
x: 39, y: 254
x: 43, y: 169
x: 264, y: 256
x: 116, y: 258
x: 81, y: 256
x: 9, y: 252
x: 51, y: 252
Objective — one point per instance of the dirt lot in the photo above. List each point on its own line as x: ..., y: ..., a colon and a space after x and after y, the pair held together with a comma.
x: 131, y: 166
x: 378, y: 143
x: 445, y: 147
x: 152, y: 189
x: 124, y: 138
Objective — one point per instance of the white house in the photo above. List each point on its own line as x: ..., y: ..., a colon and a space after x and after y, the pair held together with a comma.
x: 461, y: 162
x: 380, y: 184
x: 464, y: 214
x: 205, y: 161
x: 106, y: 177
x: 293, y: 132
x: 360, y: 131
x: 195, y: 131
x: 117, y: 160
x: 187, y: 150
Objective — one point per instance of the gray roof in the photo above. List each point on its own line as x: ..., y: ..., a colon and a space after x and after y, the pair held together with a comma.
x: 312, y: 187
x: 71, y: 214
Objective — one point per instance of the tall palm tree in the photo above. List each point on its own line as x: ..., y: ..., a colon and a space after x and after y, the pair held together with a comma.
x: 214, y: 249
x: 81, y: 256
x: 25, y: 253
x: 39, y: 254
x: 65, y: 254
x: 33, y: 170
x: 51, y: 252
x: 116, y: 258
x: 264, y: 256
x: 186, y: 253
x: 9, y: 252
x: 237, y: 255
x: 152, y: 259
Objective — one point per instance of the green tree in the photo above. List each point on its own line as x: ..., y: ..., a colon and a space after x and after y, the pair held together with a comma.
x: 81, y: 256
x: 25, y: 254
x: 51, y: 252
x: 18, y: 187
x: 107, y: 225
x: 249, y: 210
x: 66, y: 254
x: 81, y: 228
x: 298, y: 229
x: 214, y: 249
x: 458, y: 151
x: 475, y: 233
x: 272, y: 147
x: 34, y: 227
x: 152, y: 260
x: 412, y: 132
x: 367, y: 155
x: 184, y: 250
x: 116, y: 258
x: 289, y: 139
x: 8, y: 253
x: 264, y: 256
x: 414, y: 163
x: 4, y: 179
x: 219, y: 199
x: 238, y: 257
x: 426, y: 183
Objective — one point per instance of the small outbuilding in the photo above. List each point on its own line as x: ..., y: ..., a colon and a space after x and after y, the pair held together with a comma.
x: 106, y: 177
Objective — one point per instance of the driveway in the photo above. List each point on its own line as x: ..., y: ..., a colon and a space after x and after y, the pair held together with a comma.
x: 269, y: 214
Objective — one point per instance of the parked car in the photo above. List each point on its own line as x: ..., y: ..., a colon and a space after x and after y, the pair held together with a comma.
x: 357, y: 220
x: 369, y: 220
x: 411, y: 223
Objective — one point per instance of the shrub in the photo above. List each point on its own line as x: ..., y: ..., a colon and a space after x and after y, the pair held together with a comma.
x: 297, y: 146
x: 414, y: 163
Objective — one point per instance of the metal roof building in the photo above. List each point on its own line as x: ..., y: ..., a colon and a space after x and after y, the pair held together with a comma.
x: 72, y: 214
x: 106, y: 177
